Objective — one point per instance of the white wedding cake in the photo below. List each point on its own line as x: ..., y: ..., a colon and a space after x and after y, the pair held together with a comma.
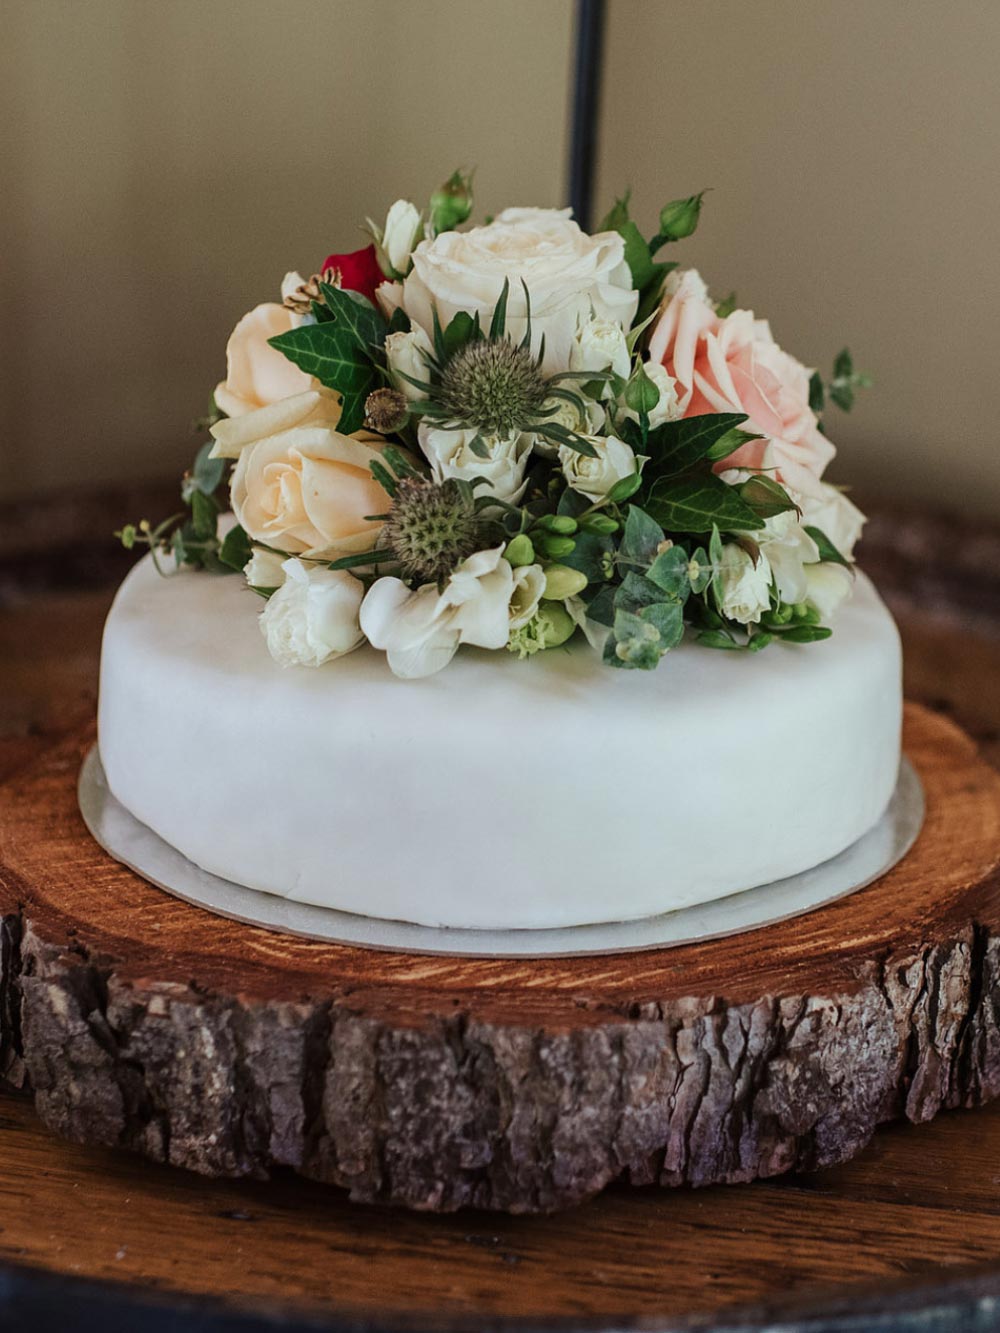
x: 500, y: 793
x: 520, y: 508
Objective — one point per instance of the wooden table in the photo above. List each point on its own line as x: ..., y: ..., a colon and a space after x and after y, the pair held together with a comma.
x: 914, y: 1220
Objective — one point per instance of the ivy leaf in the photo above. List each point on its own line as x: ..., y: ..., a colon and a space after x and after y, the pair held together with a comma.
x: 332, y: 353
x: 204, y: 515
x: 697, y: 504
x: 677, y: 446
x: 235, y: 550
x: 826, y: 548
x: 355, y: 312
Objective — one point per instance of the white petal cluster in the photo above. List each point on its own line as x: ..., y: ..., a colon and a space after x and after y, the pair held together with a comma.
x: 594, y: 477
x: 313, y: 617
x: 450, y: 454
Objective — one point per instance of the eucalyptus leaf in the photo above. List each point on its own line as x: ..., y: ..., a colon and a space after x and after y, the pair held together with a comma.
x: 668, y: 617
x: 669, y: 571
x: 641, y: 538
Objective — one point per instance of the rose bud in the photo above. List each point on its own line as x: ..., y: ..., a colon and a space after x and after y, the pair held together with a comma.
x: 357, y: 271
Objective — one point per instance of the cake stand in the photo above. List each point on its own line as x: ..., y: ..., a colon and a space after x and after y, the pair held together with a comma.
x: 146, y: 1023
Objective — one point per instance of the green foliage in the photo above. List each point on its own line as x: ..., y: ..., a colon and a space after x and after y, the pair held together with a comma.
x: 696, y: 504
x: 451, y: 203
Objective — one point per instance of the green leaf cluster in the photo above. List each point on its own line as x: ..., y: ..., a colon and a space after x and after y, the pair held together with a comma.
x: 678, y: 220
x: 344, y: 350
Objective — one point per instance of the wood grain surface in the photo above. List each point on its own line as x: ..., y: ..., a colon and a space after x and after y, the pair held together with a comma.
x: 919, y: 1204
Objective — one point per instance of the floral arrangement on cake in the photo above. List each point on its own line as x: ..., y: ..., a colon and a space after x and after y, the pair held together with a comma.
x: 507, y: 434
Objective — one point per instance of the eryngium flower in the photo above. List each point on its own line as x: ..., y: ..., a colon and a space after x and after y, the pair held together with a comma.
x: 494, y: 385
x: 431, y: 528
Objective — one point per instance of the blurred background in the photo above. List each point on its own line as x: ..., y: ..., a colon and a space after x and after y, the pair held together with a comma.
x: 166, y: 161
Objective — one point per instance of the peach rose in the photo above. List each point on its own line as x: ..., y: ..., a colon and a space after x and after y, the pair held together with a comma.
x: 257, y: 374
x: 734, y: 365
x: 299, y: 485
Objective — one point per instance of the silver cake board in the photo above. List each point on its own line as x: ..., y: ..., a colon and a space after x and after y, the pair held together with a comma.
x: 140, y: 849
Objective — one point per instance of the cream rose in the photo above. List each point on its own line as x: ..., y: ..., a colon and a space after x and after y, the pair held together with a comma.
x: 303, y: 487
x: 734, y: 365
x: 420, y: 631
x: 569, y: 275
x: 404, y: 354
x: 257, y: 374
x: 450, y: 454
x: 313, y: 617
x: 595, y: 477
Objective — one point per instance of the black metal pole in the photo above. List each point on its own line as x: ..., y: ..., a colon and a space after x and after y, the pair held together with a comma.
x: 589, y: 49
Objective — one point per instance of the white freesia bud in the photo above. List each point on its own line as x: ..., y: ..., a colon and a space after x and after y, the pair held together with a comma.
x: 667, y: 407
x: 450, y: 454
x: 744, y: 587
x: 595, y: 477
x: 420, y: 631
x: 405, y: 355
x: 264, y: 569
x: 837, y: 518
x: 313, y: 617
x: 828, y: 586
x: 403, y: 229
x: 600, y: 345
x: 529, y: 588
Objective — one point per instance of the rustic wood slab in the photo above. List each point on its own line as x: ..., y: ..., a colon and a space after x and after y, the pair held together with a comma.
x: 141, y: 1022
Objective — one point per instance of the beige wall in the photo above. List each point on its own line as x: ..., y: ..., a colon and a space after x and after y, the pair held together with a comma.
x: 853, y: 147
x: 164, y: 161
x: 171, y: 159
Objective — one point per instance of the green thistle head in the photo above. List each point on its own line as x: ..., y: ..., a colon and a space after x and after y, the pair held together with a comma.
x: 495, y: 385
x: 432, y: 528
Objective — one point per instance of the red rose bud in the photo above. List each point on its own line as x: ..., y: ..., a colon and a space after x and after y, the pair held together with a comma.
x: 357, y: 272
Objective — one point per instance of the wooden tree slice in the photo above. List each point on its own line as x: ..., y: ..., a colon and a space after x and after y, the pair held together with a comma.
x: 521, y: 1085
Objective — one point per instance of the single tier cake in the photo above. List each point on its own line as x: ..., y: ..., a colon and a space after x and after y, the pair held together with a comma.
x: 534, y: 570
x: 499, y: 793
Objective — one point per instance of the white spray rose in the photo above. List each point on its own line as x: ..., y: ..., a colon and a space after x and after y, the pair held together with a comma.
x: 595, y: 477
x: 568, y: 274
x: 788, y: 548
x: 403, y: 229
x: 420, y: 631
x: 450, y: 454
x: 828, y: 586
x: 835, y: 516
x: 667, y: 407
x: 264, y: 569
x: 404, y: 354
x: 599, y: 345
x: 588, y: 419
x: 744, y: 587
x: 313, y: 617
